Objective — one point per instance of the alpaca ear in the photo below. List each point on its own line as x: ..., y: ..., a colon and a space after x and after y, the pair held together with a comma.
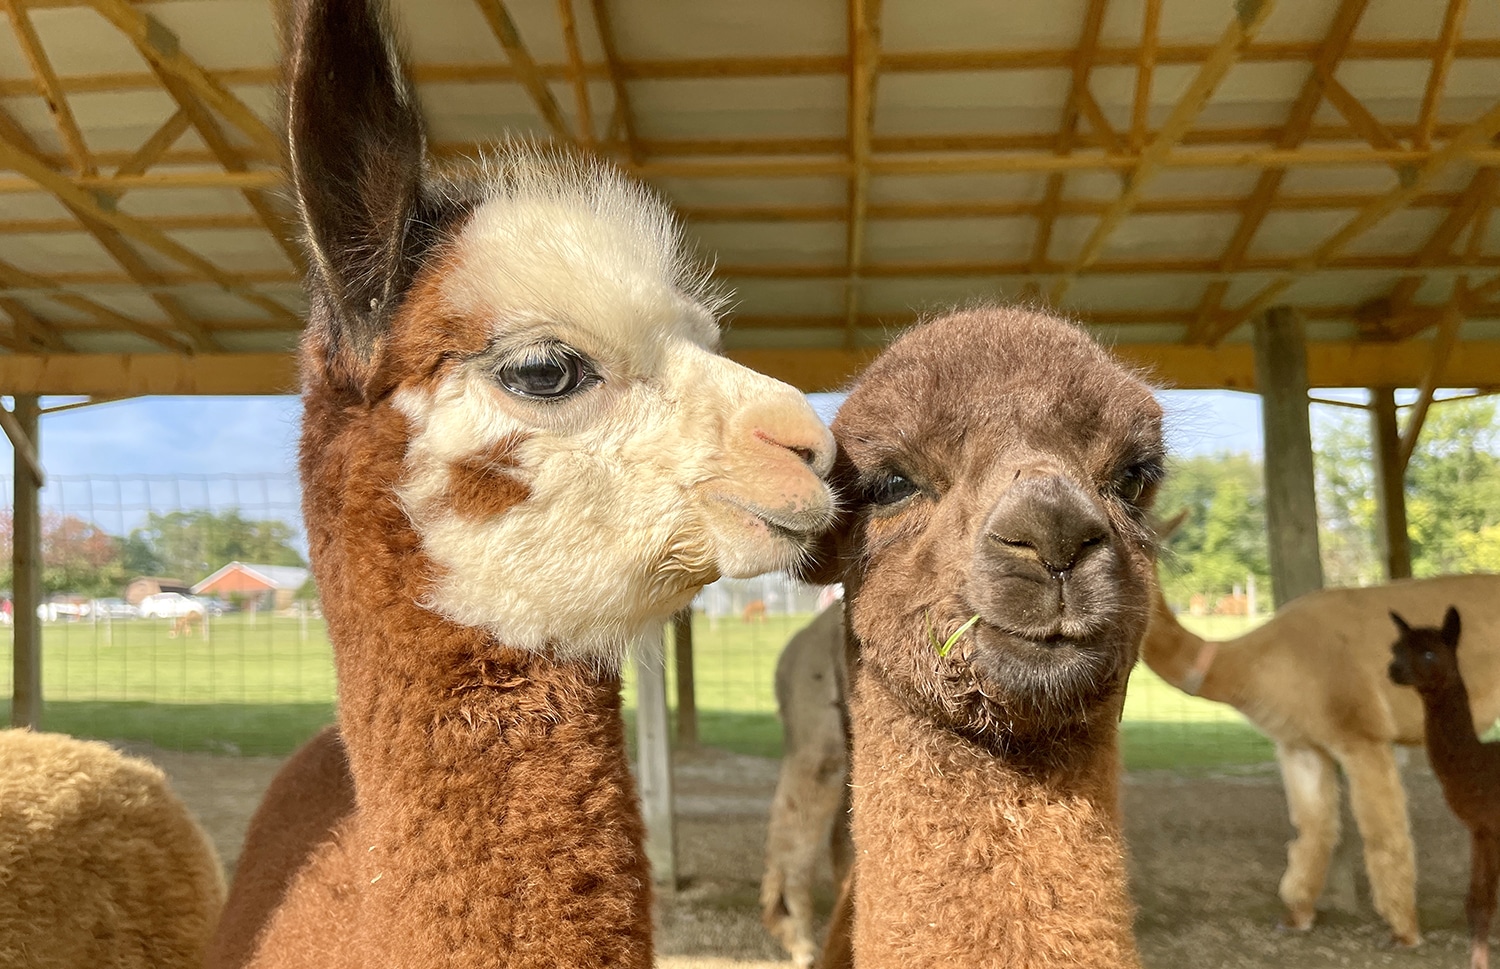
x: 1400, y: 623
x: 356, y: 154
x: 1451, y: 626
x: 1166, y: 528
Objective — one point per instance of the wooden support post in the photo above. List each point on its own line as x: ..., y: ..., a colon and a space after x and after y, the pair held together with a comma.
x: 654, y: 761
x: 26, y: 581
x: 1390, y: 484
x: 687, y: 694
x: 1291, y: 501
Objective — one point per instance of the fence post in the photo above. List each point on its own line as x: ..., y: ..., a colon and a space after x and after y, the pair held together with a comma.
x: 687, y: 695
x: 654, y: 760
x: 26, y: 566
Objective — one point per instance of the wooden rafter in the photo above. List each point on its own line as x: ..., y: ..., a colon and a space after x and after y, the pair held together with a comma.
x: 504, y: 29
x: 864, y: 64
x: 1442, y: 61
x: 14, y: 278
x: 1442, y: 352
x: 1462, y: 214
x: 616, y: 74
x: 111, y: 241
x: 1140, y: 109
x: 89, y: 207
x: 578, y: 72
x: 1478, y: 132
x: 24, y: 446
x: 1241, y: 30
x: 50, y: 86
x: 161, y: 47
x: 1359, y: 117
x: 273, y: 221
x: 32, y: 332
x: 1299, y: 123
x: 1067, y: 130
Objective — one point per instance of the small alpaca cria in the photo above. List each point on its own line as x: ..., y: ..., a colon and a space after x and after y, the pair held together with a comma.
x: 998, y: 565
x: 101, y: 864
x: 1469, y: 771
x: 1313, y: 679
x: 520, y: 449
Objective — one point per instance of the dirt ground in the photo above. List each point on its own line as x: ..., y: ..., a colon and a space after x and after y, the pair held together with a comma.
x: 1206, y: 855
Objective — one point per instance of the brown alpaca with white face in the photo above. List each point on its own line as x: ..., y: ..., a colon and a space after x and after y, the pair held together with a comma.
x: 520, y: 450
x: 1000, y: 466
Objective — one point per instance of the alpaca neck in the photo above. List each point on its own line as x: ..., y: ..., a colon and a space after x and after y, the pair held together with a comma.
x: 1453, y: 747
x: 496, y: 821
x: 1189, y: 662
x: 965, y: 858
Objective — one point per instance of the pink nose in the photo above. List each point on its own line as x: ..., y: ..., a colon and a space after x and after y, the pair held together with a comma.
x: 810, y: 442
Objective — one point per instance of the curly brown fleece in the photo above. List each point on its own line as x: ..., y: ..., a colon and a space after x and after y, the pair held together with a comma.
x: 999, y: 465
x: 101, y: 865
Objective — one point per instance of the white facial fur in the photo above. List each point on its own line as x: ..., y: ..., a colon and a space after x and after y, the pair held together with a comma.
x: 640, y: 489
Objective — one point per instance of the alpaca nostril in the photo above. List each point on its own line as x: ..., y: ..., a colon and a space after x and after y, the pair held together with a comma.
x: 809, y: 454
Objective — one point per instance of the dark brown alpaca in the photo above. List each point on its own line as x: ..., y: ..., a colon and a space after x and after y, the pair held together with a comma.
x: 520, y: 451
x: 999, y: 467
x: 1427, y: 658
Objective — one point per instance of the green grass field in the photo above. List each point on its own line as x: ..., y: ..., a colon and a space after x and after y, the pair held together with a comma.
x: 262, y: 687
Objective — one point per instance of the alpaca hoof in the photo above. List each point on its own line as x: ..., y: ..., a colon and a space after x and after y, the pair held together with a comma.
x: 1406, y: 940
x: 1297, y: 920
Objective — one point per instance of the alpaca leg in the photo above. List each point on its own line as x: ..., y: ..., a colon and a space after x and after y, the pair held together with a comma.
x: 1379, y: 803
x: 1484, y: 870
x: 803, y: 816
x: 1312, y: 796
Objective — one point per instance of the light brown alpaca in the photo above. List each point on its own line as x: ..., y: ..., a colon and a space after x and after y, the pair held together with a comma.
x: 812, y: 791
x: 101, y: 864
x: 999, y: 466
x: 184, y: 625
x: 519, y: 452
x: 1313, y: 679
x: 754, y: 612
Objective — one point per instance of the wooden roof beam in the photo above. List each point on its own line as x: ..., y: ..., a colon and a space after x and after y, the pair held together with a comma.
x: 1442, y: 352
x: 109, y: 239
x: 1442, y: 61
x: 616, y: 74
x: 272, y: 220
x: 1067, y: 127
x: 32, y: 333
x: 1248, y: 19
x: 1359, y: 117
x: 1333, y: 48
x: 864, y: 65
x: 504, y: 29
x: 1477, y: 133
x: 1469, y: 206
x: 161, y: 47
x: 50, y: 86
x: 1140, y: 109
x: 578, y: 73
x: 89, y: 205
x: 13, y: 277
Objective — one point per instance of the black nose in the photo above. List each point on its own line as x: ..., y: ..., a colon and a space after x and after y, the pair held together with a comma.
x: 1048, y: 517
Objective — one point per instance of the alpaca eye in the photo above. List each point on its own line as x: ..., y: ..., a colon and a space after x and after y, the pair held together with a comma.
x: 1131, y: 486
x: 547, y: 372
x: 891, y: 488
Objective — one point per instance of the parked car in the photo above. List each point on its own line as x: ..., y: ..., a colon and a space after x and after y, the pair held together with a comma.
x: 170, y: 605
x: 213, y: 606
x: 63, y: 606
x: 113, y: 609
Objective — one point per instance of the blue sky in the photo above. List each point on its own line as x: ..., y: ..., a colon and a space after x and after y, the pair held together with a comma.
x: 111, y: 463
x: 250, y: 435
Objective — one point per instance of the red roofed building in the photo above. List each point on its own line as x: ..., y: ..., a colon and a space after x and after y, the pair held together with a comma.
x: 268, y: 586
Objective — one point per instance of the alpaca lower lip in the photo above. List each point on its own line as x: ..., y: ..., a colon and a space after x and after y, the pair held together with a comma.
x: 799, y: 527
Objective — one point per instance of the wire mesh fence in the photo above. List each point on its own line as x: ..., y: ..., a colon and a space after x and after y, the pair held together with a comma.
x: 169, y: 621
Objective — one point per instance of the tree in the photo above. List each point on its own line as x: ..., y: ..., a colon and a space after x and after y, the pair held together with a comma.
x: 1223, y: 540
x: 78, y: 556
x: 191, y: 544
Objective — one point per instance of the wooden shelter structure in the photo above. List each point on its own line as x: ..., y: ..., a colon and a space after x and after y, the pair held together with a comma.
x: 1167, y: 171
